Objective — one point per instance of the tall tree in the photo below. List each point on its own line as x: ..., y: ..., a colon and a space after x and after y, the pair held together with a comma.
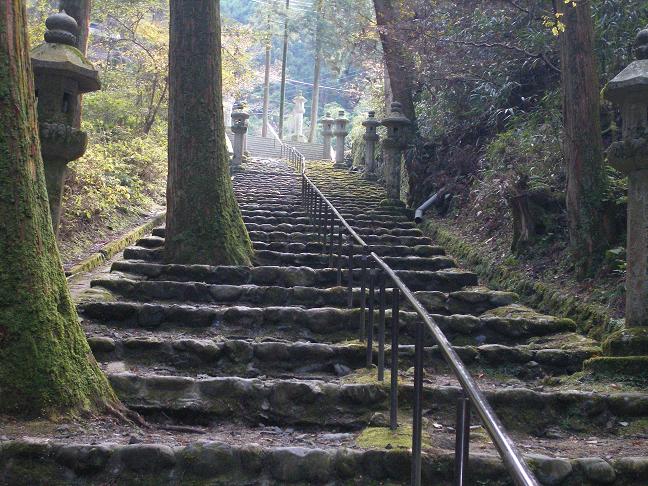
x: 46, y: 366
x: 79, y: 10
x: 204, y: 222
x: 399, y: 66
x: 583, y: 145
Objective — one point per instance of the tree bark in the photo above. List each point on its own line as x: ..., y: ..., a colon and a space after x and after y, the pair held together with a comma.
x: 46, y: 366
x: 583, y: 145
x: 80, y: 11
x: 204, y: 222
x: 399, y: 66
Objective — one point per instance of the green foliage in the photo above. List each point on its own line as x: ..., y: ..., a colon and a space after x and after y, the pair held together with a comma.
x: 116, y: 175
x: 530, y: 146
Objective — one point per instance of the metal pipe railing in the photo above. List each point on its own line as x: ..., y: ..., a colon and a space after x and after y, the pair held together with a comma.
x: 374, y: 270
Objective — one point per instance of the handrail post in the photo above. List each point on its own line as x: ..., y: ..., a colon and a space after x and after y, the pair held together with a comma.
x: 462, y: 444
x: 381, y: 329
x: 393, y: 390
x: 363, y: 294
x: 417, y: 419
x: 370, y: 325
x: 350, y: 276
x: 339, y: 257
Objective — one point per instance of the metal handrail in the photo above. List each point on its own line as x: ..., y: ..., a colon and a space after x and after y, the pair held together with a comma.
x: 326, y: 212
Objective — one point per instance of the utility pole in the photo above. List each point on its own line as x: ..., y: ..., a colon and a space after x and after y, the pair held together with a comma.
x: 266, y: 87
x: 282, y: 103
x: 318, y: 70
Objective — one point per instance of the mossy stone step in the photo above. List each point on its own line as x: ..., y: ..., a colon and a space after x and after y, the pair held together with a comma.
x: 249, y: 358
x: 318, y: 247
x: 320, y: 321
x: 443, y: 280
x: 478, y: 302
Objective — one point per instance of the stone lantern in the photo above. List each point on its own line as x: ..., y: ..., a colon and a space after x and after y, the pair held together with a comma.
x: 298, y: 117
x: 627, y: 350
x: 327, y: 134
x: 61, y: 74
x: 371, y: 137
x: 340, y: 133
x: 393, y: 145
x: 239, y: 127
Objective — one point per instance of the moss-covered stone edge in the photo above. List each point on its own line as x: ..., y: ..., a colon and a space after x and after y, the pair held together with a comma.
x: 109, y: 250
x: 24, y: 462
x: 591, y: 319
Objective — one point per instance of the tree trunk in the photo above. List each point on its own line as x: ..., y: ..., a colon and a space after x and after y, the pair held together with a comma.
x: 399, y: 66
x: 46, y: 366
x: 583, y: 146
x: 80, y: 11
x: 317, y: 74
x: 204, y: 222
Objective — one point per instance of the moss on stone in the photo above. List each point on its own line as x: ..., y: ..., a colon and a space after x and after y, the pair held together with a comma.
x: 385, y: 438
x: 617, y: 366
x: 627, y: 342
x: 590, y: 318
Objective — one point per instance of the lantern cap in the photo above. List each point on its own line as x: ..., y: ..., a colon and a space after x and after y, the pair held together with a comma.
x: 631, y: 84
x: 396, y: 117
x: 61, y: 29
x: 371, y: 120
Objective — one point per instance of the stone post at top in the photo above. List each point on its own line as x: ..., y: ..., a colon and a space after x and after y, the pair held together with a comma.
x: 371, y: 137
x: 239, y: 127
x: 298, y: 117
x: 393, y: 145
x: 327, y: 134
x: 61, y: 74
x: 626, y: 351
x: 340, y: 131
x: 227, y: 112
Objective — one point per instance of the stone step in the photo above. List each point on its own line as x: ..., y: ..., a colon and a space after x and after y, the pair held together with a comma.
x: 230, y: 456
x: 470, y: 302
x: 352, y: 405
x: 316, y: 247
x: 370, y: 216
x: 316, y: 260
x: 282, y: 236
x: 373, y: 223
x: 443, y: 281
x: 321, y: 321
x: 312, y: 260
x: 249, y: 358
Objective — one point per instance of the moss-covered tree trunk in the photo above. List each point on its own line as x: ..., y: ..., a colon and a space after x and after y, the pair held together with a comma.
x: 46, y: 366
x: 399, y: 66
x: 583, y: 145
x: 204, y: 223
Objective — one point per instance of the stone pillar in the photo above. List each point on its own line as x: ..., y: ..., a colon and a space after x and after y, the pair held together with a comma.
x: 61, y: 74
x: 327, y: 134
x: 340, y: 133
x: 298, y: 118
x: 627, y: 350
x: 393, y: 146
x: 227, y: 112
x: 239, y: 127
x: 371, y: 137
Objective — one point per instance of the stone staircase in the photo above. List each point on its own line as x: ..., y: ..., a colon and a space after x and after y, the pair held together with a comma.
x: 256, y: 375
x: 260, y: 147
